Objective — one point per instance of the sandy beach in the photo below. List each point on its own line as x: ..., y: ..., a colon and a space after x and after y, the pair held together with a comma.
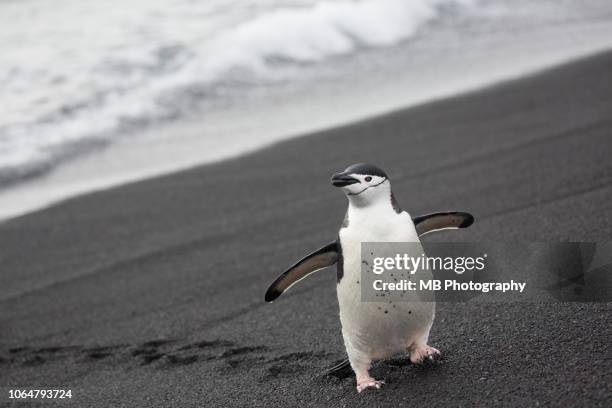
x: 151, y: 294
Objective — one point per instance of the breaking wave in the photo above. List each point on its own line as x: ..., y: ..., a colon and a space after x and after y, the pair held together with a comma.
x: 69, y: 89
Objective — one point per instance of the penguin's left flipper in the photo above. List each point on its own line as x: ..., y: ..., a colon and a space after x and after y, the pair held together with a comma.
x: 319, y: 259
x: 441, y: 221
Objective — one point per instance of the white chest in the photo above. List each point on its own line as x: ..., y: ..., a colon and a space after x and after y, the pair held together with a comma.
x: 369, y: 226
x: 366, y: 323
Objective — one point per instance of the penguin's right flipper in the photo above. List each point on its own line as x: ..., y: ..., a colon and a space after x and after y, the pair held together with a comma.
x: 321, y: 258
x: 442, y: 220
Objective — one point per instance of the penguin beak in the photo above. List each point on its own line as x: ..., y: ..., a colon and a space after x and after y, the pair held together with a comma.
x: 342, y: 180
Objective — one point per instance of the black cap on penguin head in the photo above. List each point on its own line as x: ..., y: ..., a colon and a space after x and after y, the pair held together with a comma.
x: 365, y: 169
x: 355, y: 178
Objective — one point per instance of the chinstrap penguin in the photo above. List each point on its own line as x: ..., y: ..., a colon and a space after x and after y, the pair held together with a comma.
x: 373, y: 215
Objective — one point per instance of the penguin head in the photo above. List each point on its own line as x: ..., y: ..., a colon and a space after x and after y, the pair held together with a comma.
x: 363, y: 183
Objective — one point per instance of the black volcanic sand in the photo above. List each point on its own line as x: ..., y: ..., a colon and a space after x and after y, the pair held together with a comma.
x: 151, y: 294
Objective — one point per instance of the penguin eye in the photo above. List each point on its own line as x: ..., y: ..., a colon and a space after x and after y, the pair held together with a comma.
x: 368, y: 179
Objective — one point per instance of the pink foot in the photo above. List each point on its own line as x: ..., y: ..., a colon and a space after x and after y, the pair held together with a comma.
x: 367, y: 383
x: 419, y: 354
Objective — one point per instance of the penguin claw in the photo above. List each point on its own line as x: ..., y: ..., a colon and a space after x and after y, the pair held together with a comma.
x: 420, y: 354
x: 370, y: 382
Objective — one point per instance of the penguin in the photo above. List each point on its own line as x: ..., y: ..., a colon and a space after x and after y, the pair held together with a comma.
x: 373, y: 215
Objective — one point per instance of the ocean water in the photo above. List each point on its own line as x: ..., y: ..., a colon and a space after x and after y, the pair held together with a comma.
x: 95, y: 94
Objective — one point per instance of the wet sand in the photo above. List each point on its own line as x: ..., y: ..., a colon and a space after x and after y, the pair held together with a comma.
x: 151, y: 294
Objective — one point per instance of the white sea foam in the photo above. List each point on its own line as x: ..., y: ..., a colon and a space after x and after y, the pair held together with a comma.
x: 316, y: 32
x: 75, y: 75
x: 194, y: 82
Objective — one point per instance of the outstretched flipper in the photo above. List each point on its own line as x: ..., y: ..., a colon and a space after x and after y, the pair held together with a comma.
x: 321, y: 258
x: 441, y: 221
